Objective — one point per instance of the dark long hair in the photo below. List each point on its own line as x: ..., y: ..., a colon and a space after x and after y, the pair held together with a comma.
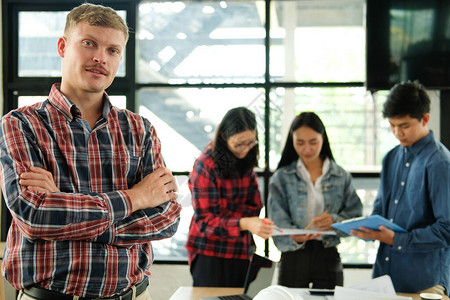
x: 311, y: 120
x: 235, y: 121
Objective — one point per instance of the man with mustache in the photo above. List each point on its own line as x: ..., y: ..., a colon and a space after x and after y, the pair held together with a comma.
x: 85, y: 182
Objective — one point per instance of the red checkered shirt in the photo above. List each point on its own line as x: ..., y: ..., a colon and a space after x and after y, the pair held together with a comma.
x: 219, y: 203
x: 84, y: 240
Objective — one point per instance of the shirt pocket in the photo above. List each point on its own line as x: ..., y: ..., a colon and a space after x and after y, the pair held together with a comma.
x: 127, y: 170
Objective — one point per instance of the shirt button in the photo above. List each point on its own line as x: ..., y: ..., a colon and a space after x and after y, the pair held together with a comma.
x: 402, y: 183
x: 399, y: 247
x: 386, y: 259
x: 407, y: 165
x: 392, y: 220
x: 396, y: 201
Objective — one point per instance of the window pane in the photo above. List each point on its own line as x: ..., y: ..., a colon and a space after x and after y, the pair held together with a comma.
x: 38, y: 36
x: 207, y: 41
x: 30, y: 100
x: 358, y: 134
x: 118, y: 101
x: 186, y: 118
x: 317, y: 41
x: 352, y: 249
x: 173, y: 248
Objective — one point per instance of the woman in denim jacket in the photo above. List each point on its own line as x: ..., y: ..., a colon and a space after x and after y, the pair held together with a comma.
x: 308, y: 187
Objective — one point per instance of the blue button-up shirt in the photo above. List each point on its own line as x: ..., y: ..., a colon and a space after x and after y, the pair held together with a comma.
x: 415, y: 193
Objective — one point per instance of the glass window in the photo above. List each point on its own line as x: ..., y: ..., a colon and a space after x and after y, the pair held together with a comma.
x: 39, y: 32
x: 186, y: 118
x: 223, y: 42
x: 207, y: 41
x: 352, y: 249
x: 173, y: 249
x: 317, y: 41
x: 30, y: 100
x: 117, y: 101
x: 355, y: 127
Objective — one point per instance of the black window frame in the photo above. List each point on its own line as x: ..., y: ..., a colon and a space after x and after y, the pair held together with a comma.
x: 15, y: 86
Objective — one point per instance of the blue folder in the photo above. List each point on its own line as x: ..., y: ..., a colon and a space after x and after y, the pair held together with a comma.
x: 370, y: 222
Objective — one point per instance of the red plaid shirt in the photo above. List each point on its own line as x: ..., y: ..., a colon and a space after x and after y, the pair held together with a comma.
x: 219, y: 203
x: 84, y: 240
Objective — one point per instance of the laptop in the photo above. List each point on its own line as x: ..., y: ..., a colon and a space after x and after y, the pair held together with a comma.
x: 264, y: 269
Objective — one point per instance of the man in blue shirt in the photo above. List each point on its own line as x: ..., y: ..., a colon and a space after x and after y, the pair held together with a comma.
x: 414, y: 193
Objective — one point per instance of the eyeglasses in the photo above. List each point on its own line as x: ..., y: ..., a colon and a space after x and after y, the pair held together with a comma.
x: 242, y: 146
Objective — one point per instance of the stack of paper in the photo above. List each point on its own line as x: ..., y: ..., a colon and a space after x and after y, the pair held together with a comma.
x: 380, y: 288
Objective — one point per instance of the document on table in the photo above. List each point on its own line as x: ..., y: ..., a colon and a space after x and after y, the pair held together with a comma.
x: 293, y: 231
x: 380, y: 288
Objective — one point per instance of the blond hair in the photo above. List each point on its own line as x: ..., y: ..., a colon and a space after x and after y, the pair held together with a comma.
x: 95, y: 15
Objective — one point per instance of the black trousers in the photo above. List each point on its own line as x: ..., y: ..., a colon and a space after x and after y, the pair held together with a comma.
x: 218, y: 272
x: 314, y: 264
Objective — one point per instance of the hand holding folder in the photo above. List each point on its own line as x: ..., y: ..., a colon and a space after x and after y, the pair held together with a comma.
x: 372, y: 222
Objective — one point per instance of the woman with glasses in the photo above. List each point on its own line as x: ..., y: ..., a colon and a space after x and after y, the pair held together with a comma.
x: 310, y: 189
x: 227, y: 203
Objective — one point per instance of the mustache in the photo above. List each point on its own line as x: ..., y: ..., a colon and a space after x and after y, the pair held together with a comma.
x: 97, y: 66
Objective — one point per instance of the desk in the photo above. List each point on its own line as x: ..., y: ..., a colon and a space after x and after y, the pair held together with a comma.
x: 195, y: 293
x: 416, y: 296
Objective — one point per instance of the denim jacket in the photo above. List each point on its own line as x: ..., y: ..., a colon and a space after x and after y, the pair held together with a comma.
x: 288, y: 202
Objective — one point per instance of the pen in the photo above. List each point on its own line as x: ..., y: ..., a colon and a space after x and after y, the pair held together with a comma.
x: 276, y: 227
x: 310, y: 224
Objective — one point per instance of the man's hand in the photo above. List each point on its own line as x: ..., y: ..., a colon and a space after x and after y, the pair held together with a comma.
x: 384, y: 234
x: 155, y: 189
x: 261, y: 227
x: 38, y: 180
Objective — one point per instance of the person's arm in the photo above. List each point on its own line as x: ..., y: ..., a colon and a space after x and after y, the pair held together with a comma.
x: 211, y: 218
x: 51, y: 216
x: 261, y: 227
x: 437, y: 234
x: 422, y: 239
x: 148, y: 221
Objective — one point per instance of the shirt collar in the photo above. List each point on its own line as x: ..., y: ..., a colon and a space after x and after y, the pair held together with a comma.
x: 68, y: 108
x: 421, y: 144
x: 325, y: 166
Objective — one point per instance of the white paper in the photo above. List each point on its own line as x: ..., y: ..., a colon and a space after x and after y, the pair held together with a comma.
x: 380, y: 288
x: 293, y: 231
x: 382, y: 284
